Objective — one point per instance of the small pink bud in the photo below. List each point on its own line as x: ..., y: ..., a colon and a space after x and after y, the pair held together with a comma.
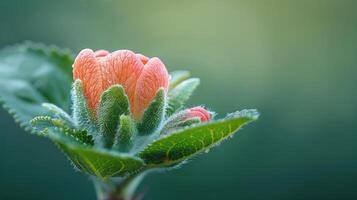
x: 199, y: 112
x: 140, y: 76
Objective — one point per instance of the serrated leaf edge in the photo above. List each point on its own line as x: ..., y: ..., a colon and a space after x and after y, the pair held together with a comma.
x: 251, y: 114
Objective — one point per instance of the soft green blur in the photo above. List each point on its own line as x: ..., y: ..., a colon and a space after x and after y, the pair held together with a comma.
x: 294, y: 60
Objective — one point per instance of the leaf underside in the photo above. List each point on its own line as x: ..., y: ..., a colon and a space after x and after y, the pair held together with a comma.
x: 31, y: 75
x: 187, y: 143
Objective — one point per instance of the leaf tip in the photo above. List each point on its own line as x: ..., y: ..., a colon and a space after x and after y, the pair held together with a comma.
x: 252, y: 114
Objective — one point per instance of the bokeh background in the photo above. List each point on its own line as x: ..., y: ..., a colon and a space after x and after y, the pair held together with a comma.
x: 295, y: 61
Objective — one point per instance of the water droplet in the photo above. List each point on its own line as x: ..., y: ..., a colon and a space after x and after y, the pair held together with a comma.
x: 207, y: 150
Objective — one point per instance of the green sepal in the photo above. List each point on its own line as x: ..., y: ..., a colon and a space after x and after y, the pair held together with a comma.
x: 123, y: 138
x: 82, y: 116
x: 177, y: 77
x: 113, y: 104
x: 101, y: 163
x: 154, y: 114
x: 178, y: 96
x: 187, y: 143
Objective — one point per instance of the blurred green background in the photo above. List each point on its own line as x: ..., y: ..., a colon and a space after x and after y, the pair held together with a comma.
x: 296, y: 61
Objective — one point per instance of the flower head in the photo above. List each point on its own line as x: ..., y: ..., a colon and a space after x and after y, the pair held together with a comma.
x: 140, y: 76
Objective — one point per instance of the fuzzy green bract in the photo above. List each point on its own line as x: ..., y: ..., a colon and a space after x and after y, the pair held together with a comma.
x: 80, y: 112
x: 154, y: 114
x: 113, y: 104
x: 124, y: 136
x: 38, y: 91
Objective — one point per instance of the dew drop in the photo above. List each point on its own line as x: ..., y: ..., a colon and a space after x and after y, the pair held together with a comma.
x: 207, y: 150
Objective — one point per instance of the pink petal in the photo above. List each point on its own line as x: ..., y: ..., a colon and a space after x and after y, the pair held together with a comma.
x: 87, y: 69
x: 199, y: 112
x: 153, y: 77
x: 123, y: 67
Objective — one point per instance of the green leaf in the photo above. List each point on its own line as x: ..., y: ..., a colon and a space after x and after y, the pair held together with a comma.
x: 94, y: 161
x: 189, y: 142
x: 180, y: 94
x: 113, y: 104
x: 154, y: 114
x: 101, y: 163
x: 44, y: 122
x: 57, y: 129
x: 123, y: 138
x: 177, y: 77
x: 31, y: 74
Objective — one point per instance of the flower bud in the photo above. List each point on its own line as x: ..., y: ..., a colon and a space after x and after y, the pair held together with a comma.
x: 186, y: 118
x: 140, y: 76
x: 200, y: 113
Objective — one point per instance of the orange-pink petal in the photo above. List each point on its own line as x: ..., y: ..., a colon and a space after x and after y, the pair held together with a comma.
x: 143, y: 58
x: 123, y: 67
x: 99, y: 70
x: 87, y: 69
x: 153, y: 77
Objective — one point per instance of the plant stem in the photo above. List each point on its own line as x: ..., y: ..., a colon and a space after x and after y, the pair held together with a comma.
x: 118, y: 188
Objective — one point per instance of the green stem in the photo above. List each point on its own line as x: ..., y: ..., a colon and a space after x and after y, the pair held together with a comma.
x: 118, y: 189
